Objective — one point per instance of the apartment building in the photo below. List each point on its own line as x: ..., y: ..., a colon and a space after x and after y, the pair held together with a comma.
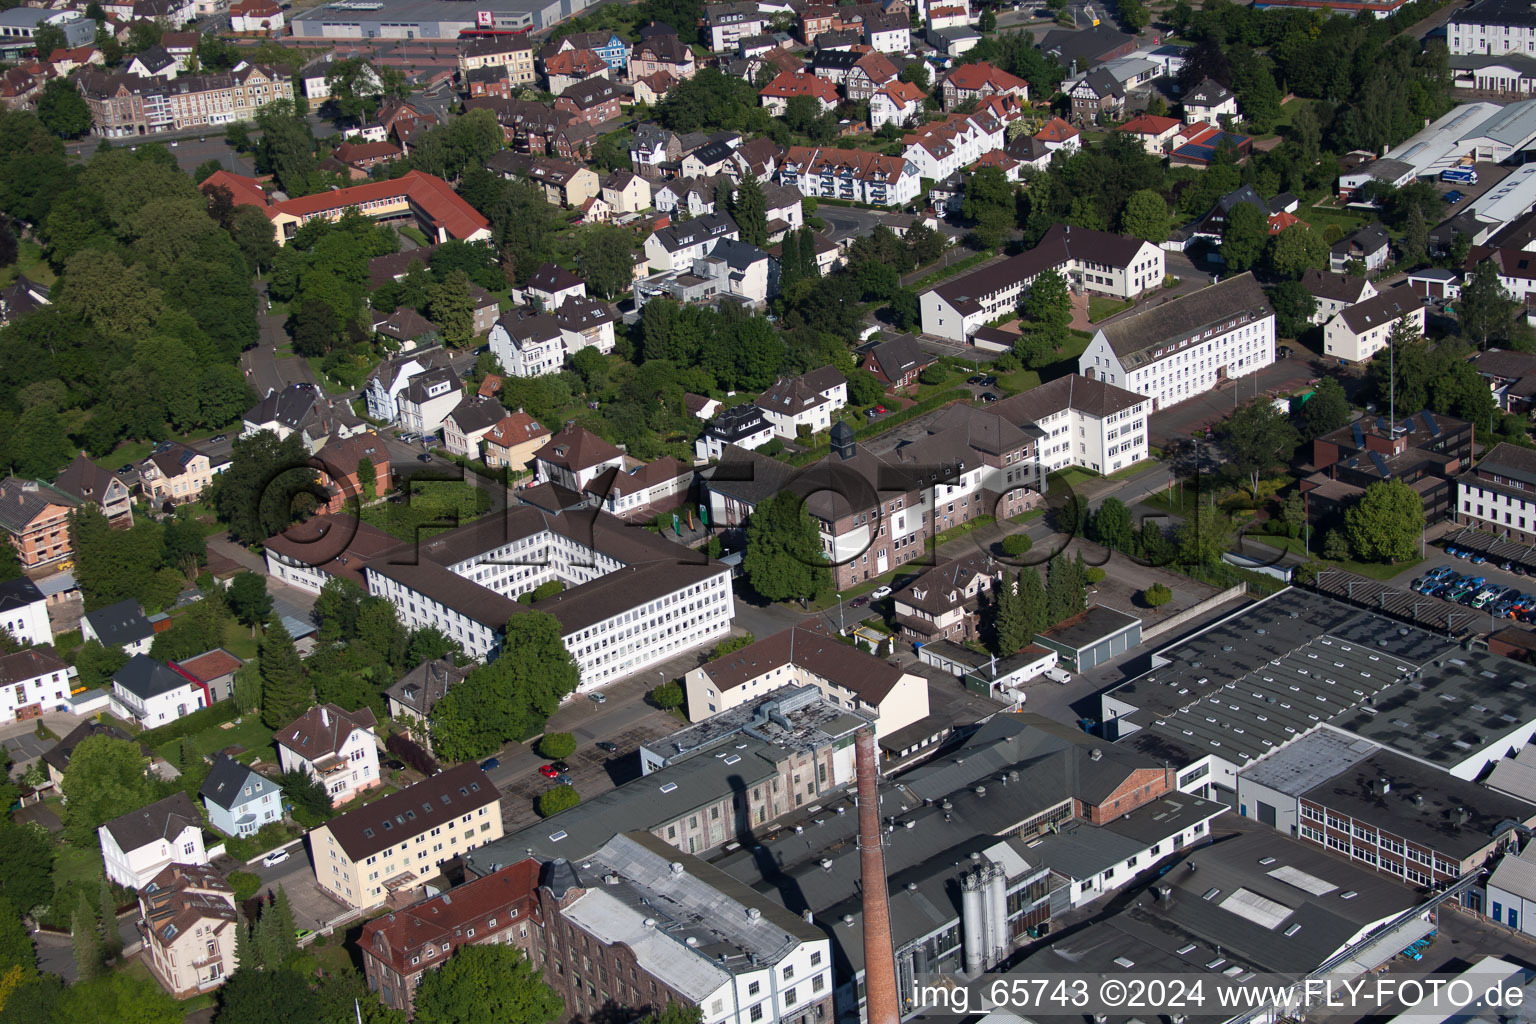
x: 676, y: 247
x: 978, y: 81
x: 1356, y: 333
x: 35, y: 516
x: 1083, y: 422
x: 729, y: 23
x: 124, y: 105
x: 24, y: 612
x: 392, y: 376
x: 944, y: 602
x: 809, y: 400
x: 400, y: 948
x: 1424, y: 451
x: 513, y: 441
x: 177, y: 473
x: 188, y: 921
x: 1499, y: 494
x: 386, y: 850
x: 428, y: 399
x: 1093, y: 261
x: 633, y: 598
x: 775, y: 96
x: 853, y: 174
x: 1334, y: 292
x: 1187, y: 346
x: 527, y: 344
x: 32, y: 681
x: 337, y: 748
x: 944, y: 147
x: 515, y: 53
x: 1493, y: 27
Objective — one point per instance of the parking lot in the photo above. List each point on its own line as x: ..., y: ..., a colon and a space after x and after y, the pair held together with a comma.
x: 1467, y: 583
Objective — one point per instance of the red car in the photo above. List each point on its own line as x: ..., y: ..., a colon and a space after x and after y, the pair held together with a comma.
x: 880, y: 409
x: 548, y: 771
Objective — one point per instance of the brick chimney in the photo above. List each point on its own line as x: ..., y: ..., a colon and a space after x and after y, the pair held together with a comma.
x: 881, y: 1003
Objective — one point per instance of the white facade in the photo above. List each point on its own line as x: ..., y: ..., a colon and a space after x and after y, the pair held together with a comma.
x: 1467, y: 32
x: 1495, y: 509
x: 1075, y: 437
x: 1234, y: 343
x: 25, y: 616
x: 958, y: 141
x: 133, y: 869
x: 385, y: 385
x: 344, y: 772
x: 1354, y: 340
x: 817, y: 415
x: 1107, y: 880
x: 27, y: 681
x: 854, y: 175
x: 531, y: 356
x: 1512, y: 891
x: 676, y: 247
x: 893, y: 38
x: 884, y: 108
x: 160, y: 708
x: 426, y: 415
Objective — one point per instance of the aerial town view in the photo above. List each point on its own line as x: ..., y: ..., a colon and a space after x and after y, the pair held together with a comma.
x: 768, y: 511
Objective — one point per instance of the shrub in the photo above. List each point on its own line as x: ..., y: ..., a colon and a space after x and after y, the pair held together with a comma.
x: 557, y: 745
x: 561, y: 798
x: 1156, y: 595
x: 1016, y: 544
x: 245, y: 883
x: 412, y: 753
x: 1095, y: 574
x: 667, y: 696
x: 731, y: 644
x: 188, y: 725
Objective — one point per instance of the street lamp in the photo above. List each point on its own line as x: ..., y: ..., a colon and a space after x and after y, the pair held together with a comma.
x: 840, y: 629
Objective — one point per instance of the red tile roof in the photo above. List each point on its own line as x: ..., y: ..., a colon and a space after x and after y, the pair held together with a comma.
x: 431, y: 195
x: 215, y: 663
x: 974, y: 77
x: 789, y: 83
x: 1057, y: 130
x: 245, y: 191
x: 902, y: 93
x: 399, y: 939
x: 1150, y: 124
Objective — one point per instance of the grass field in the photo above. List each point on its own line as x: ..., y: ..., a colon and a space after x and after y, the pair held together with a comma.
x: 251, y: 734
x: 433, y: 507
x: 1102, y: 307
x: 1372, y: 570
x: 1019, y: 380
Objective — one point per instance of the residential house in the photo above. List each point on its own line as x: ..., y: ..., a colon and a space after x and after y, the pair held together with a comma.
x: 785, y: 209
x: 177, y: 473
x: 487, y: 309
x: 549, y: 287
x: 574, y: 457
x: 57, y: 757
x: 343, y: 459
x: 515, y: 53
x: 744, y: 426
x: 608, y: 45
x: 301, y: 409
x: 896, y: 363
x: 153, y: 693
x: 1516, y: 270
x: 891, y: 33
x: 778, y: 58
x: 153, y: 62
x: 415, y: 694
x: 809, y: 401
x: 215, y: 670
x: 852, y: 174
x: 428, y: 398
x: 678, y: 245
x: 565, y: 184
x: 140, y: 844
x: 392, y: 376
x: 64, y: 61
x: 337, y: 748
x: 1358, y: 332
x: 570, y: 67
x: 239, y: 799
x: 944, y: 602
x: 372, y: 855
x: 93, y: 485
x: 36, y: 520
x: 188, y: 923
x: 1369, y: 245
x: 1213, y: 226
x: 24, y: 612
x: 1334, y: 292
x: 700, y: 407
x: 1085, y: 422
x: 256, y: 17
x: 361, y: 158
x: 652, y: 89
x: 978, y: 81
x: 1188, y: 345
x: 939, y: 149
x: 626, y: 192
x: 1209, y: 103
x: 650, y: 147
x: 119, y: 625
x: 694, y: 195
x: 809, y: 655
x: 1095, y: 261
x: 1511, y: 376
x: 872, y: 71
x: 468, y: 423
x: 1155, y: 133
x: 592, y: 102
x: 513, y: 441
x: 408, y: 329
x: 1098, y: 94
x: 729, y: 23
x: 528, y: 344
x: 662, y: 52
x: 586, y: 323
x: 32, y: 681
x: 899, y: 103
x: 787, y: 85
x: 501, y: 908
x: 710, y: 160
x: 181, y: 45
x: 1196, y: 145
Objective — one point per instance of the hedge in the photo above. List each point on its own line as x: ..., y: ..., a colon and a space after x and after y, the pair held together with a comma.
x: 189, y: 725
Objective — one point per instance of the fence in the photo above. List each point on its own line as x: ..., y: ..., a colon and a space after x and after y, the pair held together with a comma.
x: 1193, y: 611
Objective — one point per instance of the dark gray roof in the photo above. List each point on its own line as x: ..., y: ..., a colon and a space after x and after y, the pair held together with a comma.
x: 1366, y: 240
x: 1208, y: 93
x: 144, y: 677
x: 736, y: 254
x: 163, y: 819
x: 681, y: 236
x: 416, y: 391
x: 423, y: 686
x: 713, y: 153
x: 120, y: 624
x: 293, y: 406
x: 900, y: 356
x: 1074, y: 391
x: 838, y: 60
x: 477, y: 412
x: 592, y: 92
x: 22, y: 501
x: 59, y: 754
x: 1384, y: 308
x: 19, y: 593
x: 1514, y: 13
x: 227, y: 780
x: 737, y: 422
x: 1088, y: 44
x: 1133, y: 338
x: 1323, y: 284
x: 747, y: 476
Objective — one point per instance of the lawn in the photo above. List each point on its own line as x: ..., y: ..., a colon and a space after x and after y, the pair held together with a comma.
x: 77, y: 871
x: 1102, y: 307
x: 1071, y: 477
x: 250, y: 733
x: 414, y: 234
x: 433, y: 507
x: 238, y: 640
x: 1373, y: 570
x: 1066, y: 357
x: 1018, y: 380
x: 29, y: 262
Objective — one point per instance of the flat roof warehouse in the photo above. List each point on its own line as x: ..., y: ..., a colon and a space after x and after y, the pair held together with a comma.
x: 427, y: 19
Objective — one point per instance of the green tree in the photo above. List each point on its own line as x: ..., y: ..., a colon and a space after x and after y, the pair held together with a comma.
x: 254, y: 235
x: 285, y: 693
x: 89, y: 955
x: 452, y: 307
x: 557, y: 745
x: 1112, y: 525
x: 561, y: 798
x: 311, y: 803
x: 606, y: 256
x: 1156, y: 596
x: 1386, y: 523
x: 27, y: 853
x: 1257, y: 437
x: 1326, y: 411
x: 1016, y: 544
x: 989, y: 206
x: 1145, y: 216
x: 1415, y: 244
x: 1032, y: 601
x: 111, y: 941
x: 1048, y: 308
x: 1133, y: 15
x: 268, y: 997
x: 784, y: 559
x: 355, y: 87
x: 1203, y: 537
x: 750, y: 211
x: 246, y: 692
x: 1486, y: 311
x: 47, y: 38
x: 1064, y: 596
x: 987, y: 22
x: 105, y: 778
x: 1242, y: 242
x: 1294, y: 307
x: 1335, y: 546
x: 96, y: 664
x: 667, y: 696
x: 1010, y: 626
x: 675, y: 1013
x: 63, y: 110
x: 1295, y: 250
x: 268, y: 484
x: 248, y: 599
x: 486, y: 985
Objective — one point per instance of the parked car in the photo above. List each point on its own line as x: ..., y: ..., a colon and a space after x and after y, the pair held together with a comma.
x: 859, y: 602
x: 489, y: 763
x: 880, y: 593
x: 275, y: 858
x: 987, y: 397
x: 598, y: 698
x: 424, y: 457
x: 1454, y: 197
x: 607, y: 745
x: 561, y: 768
x: 548, y: 771
x: 125, y: 470
x: 216, y: 438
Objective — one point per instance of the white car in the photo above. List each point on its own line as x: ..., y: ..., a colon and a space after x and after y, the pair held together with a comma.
x: 880, y: 593
x: 274, y: 858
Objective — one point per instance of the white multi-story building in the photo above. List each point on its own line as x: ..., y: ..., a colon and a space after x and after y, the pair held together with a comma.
x: 392, y: 377
x: 1188, y: 346
x: 1086, y: 423
x: 1493, y: 27
x: 633, y: 598
x: 153, y: 693
x: 1358, y: 332
x: 24, y: 612
x: 1499, y: 494
x: 809, y: 400
x: 527, y: 344
x: 428, y: 398
x: 338, y: 748
x: 31, y: 681
x: 676, y: 247
x: 1094, y: 261
x: 139, y: 845
x: 853, y: 174
x: 729, y: 23
x: 944, y: 147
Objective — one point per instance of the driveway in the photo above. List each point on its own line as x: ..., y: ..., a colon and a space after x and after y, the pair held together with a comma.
x: 1282, y: 377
